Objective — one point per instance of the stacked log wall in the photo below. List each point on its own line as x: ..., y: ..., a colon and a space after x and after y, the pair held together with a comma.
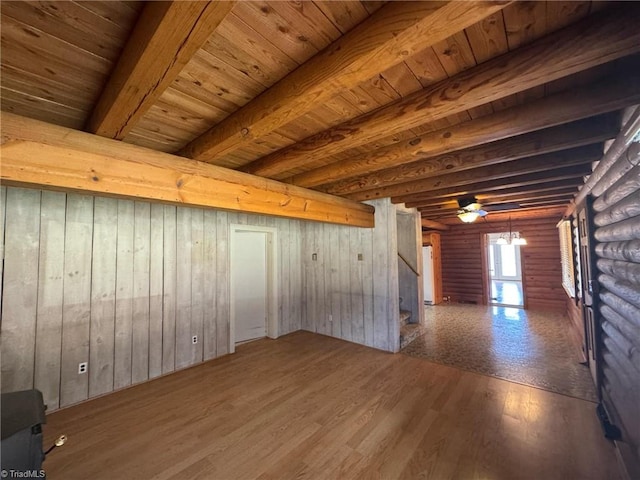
x: 463, y: 258
x: 617, y: 235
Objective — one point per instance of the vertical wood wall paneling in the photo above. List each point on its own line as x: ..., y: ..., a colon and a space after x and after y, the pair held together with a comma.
x: 367, y: 284
x: 76, y: 298
x: 393, y: 293
x: 307, y: 273
x: 197, y: 283
x: 344, y: 285
x: 381, y: 267
x: 222, y: 287
x: 284, y: 254
x: 50, y: 289
x: 169, y: 290
x: 320, y: 240
x: 156, y: 247
x: 103, y: 294
x: 332, y: 280
x: 183, y: 287
x: 3, y: 211
x: 356, y: 284
x: 124, y: 295
x: 95, y: 279
x: 20, y: 288
x: 209, y: 327
x: 140, y: 325
x: 295, y: 283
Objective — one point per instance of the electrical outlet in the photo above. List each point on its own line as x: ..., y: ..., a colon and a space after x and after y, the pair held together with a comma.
x: 330, y: 318
x: 82, y: 367
x: 194, y: 339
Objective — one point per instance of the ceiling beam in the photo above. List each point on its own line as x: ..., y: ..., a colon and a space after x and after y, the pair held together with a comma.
x: 596, y: 40
x: 560, y: 195
x: 164, y: 39
x: 582, y: 132
x: 433, y: 225
x: 521, y: 213
x: 559, y: 201
x: 500, y: 196
x: 394, y: 33
x: 538, y: 163
x: 575, y: 104
x: 570, y: 173
x: 46, y: 156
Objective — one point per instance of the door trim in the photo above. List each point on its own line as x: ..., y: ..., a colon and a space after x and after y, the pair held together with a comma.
x: 272, y: 279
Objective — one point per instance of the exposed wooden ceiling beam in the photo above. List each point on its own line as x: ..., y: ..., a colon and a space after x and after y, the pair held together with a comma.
x: 596, y: 40
x: 549, y: 140
x: 38, y: 154
x: 501, y: 196
x: 559, y: 201
x: 533, y: 187
x: 555, y: 110
x: 560, y: 196
x: 565, y: 158
x: 165, y: 38
x: 433, y: 225
x: 521, y: 213
x: 394, y: 33
x: 570, y: 173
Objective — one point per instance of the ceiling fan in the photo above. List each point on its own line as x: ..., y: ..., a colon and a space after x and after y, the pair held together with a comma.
x: 470, y: 209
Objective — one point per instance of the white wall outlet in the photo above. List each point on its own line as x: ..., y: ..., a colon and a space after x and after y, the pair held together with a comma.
x: 194, y: 339
x: 330, y: 318
x: 82, y: 367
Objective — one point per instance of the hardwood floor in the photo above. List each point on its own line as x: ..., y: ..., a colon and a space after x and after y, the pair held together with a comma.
x: 309, y: 406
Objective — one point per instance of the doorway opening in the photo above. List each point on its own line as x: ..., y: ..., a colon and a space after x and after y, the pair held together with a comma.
x: 253, y: 284
x: 505, y: 273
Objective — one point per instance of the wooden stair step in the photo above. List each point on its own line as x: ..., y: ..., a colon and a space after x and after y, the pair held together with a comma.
x: 409, y: 332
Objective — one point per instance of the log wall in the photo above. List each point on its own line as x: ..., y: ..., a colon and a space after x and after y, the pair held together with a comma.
x: 462, y: 262
x: 122, y: 285
x: 617, y: 237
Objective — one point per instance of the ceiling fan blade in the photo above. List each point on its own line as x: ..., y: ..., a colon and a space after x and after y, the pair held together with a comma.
x: 502, y: 206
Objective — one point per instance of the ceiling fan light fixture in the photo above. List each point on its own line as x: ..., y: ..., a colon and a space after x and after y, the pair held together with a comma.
x: 511, y: 238
x: 468, y: 217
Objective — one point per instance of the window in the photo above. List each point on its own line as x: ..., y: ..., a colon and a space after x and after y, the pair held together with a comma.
x: 566, y: 253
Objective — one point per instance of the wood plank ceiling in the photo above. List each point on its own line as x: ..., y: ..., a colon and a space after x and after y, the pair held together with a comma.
x: 423, y: 102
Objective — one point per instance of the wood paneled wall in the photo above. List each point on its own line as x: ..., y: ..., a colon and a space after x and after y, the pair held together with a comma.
x: 122, y: 285
x: 356, y: 300
x: 617, y: 247
x: 462, y: 262
x: 410, y: 283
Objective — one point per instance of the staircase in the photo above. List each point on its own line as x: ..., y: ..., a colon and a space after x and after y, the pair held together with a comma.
x: 408, y: 331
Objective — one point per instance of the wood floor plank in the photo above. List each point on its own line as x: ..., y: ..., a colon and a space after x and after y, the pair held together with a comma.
x: 308, y: 406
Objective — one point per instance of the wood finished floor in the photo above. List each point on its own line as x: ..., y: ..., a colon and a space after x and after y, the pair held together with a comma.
x: 312, y: 407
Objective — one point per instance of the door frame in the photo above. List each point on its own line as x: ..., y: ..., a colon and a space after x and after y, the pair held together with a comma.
x: 272, y: 279
x: 486, y: 274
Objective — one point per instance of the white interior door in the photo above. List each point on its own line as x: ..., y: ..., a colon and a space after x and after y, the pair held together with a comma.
x: 249, y: 284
